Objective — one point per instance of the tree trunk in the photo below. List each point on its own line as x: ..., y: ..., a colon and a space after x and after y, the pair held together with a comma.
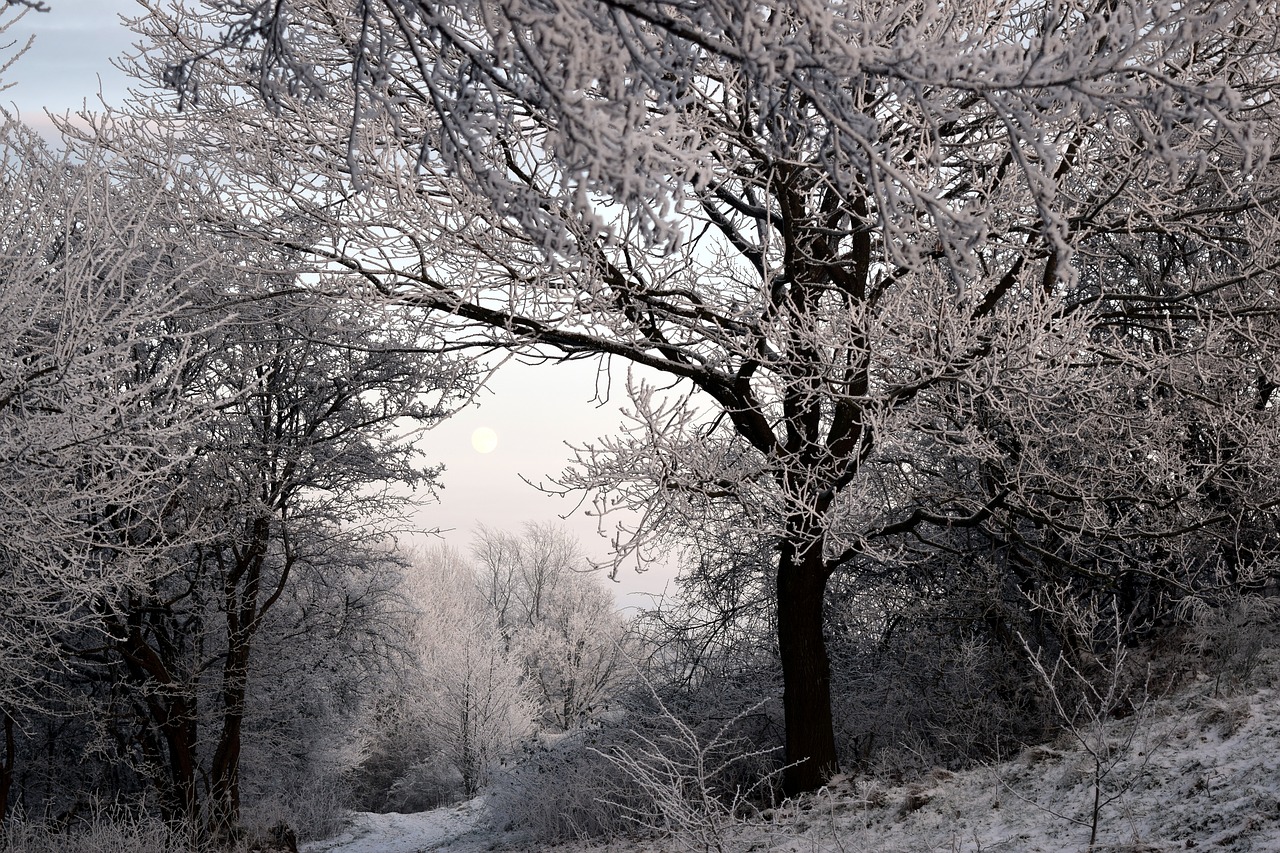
x: 172, y: 711
x: 470, y: 782
x: 806, y: 671
x: 6, y: 769
x: 241, y: 588
x: 225, y: 769
x: 180, y: 734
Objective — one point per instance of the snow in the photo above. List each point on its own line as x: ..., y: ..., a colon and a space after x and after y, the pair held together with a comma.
x: 1196, y: 770
x: 441, y: 829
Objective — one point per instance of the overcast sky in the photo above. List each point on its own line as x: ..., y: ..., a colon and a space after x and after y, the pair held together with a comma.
x: 532, y: 411
x: 70, y: 61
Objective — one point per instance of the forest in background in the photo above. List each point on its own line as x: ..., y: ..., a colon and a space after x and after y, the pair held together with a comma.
x: 958, y: 329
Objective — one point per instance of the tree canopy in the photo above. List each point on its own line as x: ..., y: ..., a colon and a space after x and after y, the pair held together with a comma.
x: 917, y: 267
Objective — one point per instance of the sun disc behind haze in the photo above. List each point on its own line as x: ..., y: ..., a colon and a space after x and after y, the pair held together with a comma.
x: 484, y: 440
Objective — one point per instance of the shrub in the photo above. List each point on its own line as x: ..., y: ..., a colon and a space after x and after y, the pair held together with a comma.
x: 665, y: 762
x: 112, y: 828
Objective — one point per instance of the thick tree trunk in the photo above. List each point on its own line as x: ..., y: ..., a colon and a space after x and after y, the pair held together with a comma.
x: 806, y: 671
x: 180, y: 735
x: 225, y: 769
x: 241, y: 589
x: 173, y: 715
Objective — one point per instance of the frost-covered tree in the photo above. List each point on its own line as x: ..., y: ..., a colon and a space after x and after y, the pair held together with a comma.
x: 891, y: 252
x: 518, y: 573
x: 518, y: 640
x: 292, y: 492
x: 475, y: 705
x: 189, y: 442
x: 576, y: 656
x: 555, y: 618
x: 98, y: 333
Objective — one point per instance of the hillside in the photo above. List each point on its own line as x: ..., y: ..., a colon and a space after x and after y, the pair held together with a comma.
x: 1198, y: 769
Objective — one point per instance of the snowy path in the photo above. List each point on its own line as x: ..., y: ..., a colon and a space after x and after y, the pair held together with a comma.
x: 403, y: 833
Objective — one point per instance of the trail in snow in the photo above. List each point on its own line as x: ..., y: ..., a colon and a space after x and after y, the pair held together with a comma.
x: 405, y: 833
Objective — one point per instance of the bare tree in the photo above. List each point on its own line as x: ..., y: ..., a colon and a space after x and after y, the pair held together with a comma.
x: 520, y: 572
x: 879, y: 247
x: 293, y: 480
x: 555, y: 618
x: 476, y: 708
x: 98, y: 326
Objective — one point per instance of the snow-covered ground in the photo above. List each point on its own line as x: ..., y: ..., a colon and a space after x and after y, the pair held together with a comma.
x: 1195, y: 771
x: 457, y: 829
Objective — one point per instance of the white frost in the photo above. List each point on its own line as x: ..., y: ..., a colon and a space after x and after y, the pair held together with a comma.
x: 440, y: 829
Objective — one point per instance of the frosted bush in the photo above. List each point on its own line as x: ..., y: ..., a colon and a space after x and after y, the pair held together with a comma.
x: 110, y: 828
x: 562, y: 789
x: 664, y: 765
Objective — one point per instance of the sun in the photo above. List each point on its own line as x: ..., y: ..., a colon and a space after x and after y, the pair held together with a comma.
x: 484, y: 440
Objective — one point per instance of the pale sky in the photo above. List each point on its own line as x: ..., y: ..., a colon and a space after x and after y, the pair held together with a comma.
x: 535, y: 412
x: 70, y: 61
x: 532, y: 411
